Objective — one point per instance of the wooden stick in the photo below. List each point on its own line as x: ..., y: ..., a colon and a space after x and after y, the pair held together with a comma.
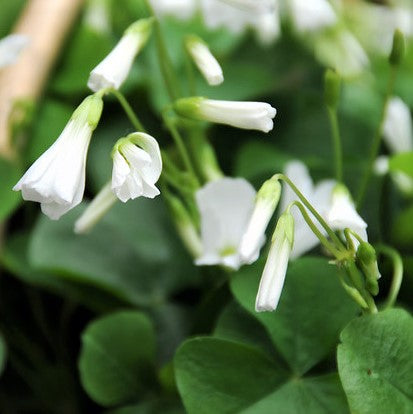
x: 46, y: 23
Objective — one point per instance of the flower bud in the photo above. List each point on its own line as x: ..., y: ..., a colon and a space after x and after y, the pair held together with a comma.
x: 114, y: 69
x: 94, y: 212
x: 245, y: 115
x: 184, y: 225
x: 397, y: 51
x: 265, y: 204
x: 204, y: 60
x: 331, y: 88
x: 367, y: 261
x: 273, y: 276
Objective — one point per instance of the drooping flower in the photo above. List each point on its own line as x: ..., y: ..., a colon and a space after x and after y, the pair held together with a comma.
x: 99, y: 206
x: 57, y: 178
x: 204, y: 60
x: 273, y: 276
x: 398, y: 129
x: 310, y: 15
x: 10, y: 48
x: 114, y: 69
x: 245, y: 115
x: 225, y: 208
x: 137, y: 166
x: 265, y: 205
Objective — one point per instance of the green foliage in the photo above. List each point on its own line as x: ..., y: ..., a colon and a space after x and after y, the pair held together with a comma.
x: 120, y: 256
x: 117, y: 359
x: 375, y: 361
x: 220, y: 375
x: 402, y: 163
x: 10, y: 173
x: 3, y: 354
x: 312, y: 301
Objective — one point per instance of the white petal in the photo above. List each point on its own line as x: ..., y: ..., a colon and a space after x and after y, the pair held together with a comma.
x: 398, y: 128
x: 343, y: 214
x: 309, y: 15
x: 152, y: 171
x: 272, y: 280
x: 225, y: 207
x: 182, y: 9
x: 246, y: 115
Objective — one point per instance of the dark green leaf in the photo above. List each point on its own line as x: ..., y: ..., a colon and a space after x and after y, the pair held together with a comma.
x: 375, y: 362
x: 312, y: 310
x: 117, y: 358
x: 132, y: 254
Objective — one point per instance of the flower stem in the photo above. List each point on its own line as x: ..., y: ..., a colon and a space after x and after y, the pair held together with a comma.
x: 180, y: 144
x: 328, y: 229
x: 323, y: 240
x: 394, y: 256
x: 375, y: 147
x: 335, y: 134
x: 128, y: 109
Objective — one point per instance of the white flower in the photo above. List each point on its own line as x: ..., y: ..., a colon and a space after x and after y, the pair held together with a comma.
x: 114, y: 69
x: 238, y: 15
x: 95, y: 210
x: 312, y: 15
x: 397, y: 130
x: 57, y: 178
x: 342, y: 213
x: 225, y: 207
x: 10, y: 48
x: 265, y: 205
x: 137, y: 166
x: 273, y: 276
x: 204, y: 60
x: 341, y: 51
x: 245, y: 115
x: 181, y: 9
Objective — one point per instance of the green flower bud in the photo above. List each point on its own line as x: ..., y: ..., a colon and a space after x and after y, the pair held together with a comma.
x: 332, y: 83
x: 397, y: 51
x: 367, y: 261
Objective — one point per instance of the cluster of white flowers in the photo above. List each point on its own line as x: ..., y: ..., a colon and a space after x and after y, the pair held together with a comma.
x: 57, y: 179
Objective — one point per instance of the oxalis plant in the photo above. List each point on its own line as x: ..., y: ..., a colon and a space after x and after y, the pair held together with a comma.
x: 209, y: 272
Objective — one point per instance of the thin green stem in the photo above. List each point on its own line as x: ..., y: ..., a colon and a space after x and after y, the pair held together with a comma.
x: 375, y: 147
x: 190, y: 72
x: 394, y: 256
x: 180, y: 145
x: 128, y: 109
x: 335, y: 135
x: 164, y: 59
x: 328, y: 229
x: 323, y: 240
